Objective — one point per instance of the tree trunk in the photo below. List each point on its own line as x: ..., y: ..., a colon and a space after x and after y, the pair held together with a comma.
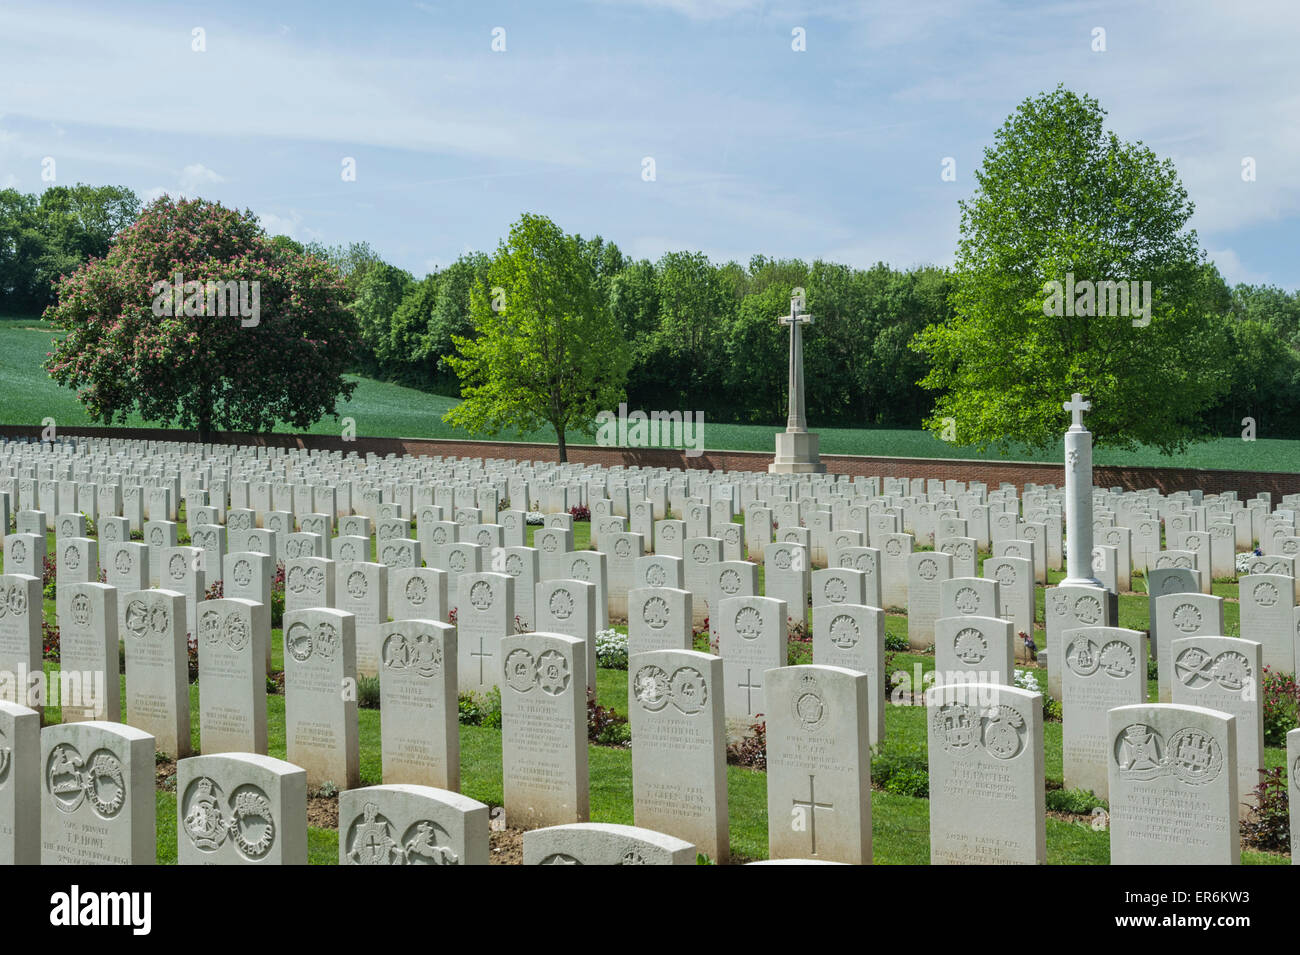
x: 564, y: 451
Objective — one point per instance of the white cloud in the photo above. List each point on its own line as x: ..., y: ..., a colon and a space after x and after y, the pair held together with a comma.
x: 1233, y: 270
x: 195, y: 177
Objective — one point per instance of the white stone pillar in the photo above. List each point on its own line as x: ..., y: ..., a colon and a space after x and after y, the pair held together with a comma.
x: 1078, y: 499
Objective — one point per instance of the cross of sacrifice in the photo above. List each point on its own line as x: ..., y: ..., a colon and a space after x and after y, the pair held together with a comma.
x: 797, y: 317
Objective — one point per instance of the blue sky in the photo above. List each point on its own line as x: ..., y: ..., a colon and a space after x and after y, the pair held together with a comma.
x: 833, y: 152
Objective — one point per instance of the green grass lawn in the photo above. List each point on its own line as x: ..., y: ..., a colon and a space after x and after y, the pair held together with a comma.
x: 900, y: 823
x: 28, y: 396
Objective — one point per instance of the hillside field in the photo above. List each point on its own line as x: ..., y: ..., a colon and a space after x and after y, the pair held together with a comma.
x: 28, y: 396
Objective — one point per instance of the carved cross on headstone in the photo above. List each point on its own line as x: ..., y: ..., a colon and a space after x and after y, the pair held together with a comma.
x: 1077, y: 406
x: 811, y: 805
x: 797, y: 317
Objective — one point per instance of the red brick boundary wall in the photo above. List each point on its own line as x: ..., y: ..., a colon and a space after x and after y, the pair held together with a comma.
x: 1167, y: 479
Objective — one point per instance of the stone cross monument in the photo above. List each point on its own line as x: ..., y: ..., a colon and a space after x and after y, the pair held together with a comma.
x: 1078, y: 497
x: 796, y: 449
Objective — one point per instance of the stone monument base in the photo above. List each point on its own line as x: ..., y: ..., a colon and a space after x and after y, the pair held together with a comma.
x: 796, y: 453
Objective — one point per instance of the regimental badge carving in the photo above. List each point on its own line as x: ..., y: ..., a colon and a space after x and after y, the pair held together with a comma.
x: 457, y: 561
x: 357, y: 585
x: 561, y: 604
x: 967, y: 601
x: 970, y: 646
x: 655, y: 613
x: 243, y: 573
x: 1187, y: 618
x: 581, y: 570
x: 210, y: 627
x: 560, y: 858
x: 1265, y: 594
x: 963, y: 551
x: 688, y: 690
x: 122, y: 561
x: 553, y: 672
x: 72, y: 781
x: 298, y: 641
x: 416, y: 592
x: 845, y: 632
x: 957, y: 727
x: 700, y: 553
x: 236, y: 631
x: 521, y: 670
x: 176, y: 567
x: 656, y: 576
x: 71, y: 557
x: 668, y: 532
x: 480, y: 595
x: 809, y: 706
x: 246, y: 819
x: 109, y: 531
x: 514, y: 565
x: 1192, y: 755
x: 6, y: 759
x: 1117, y: 659
x: 650, y: 686
x: 729, y: 582
x: 1005, y: 575
x: 963, y: 729
x: 484, y: 538
x: 781, y: 558
x: 622, y: 547
x: 18, y: 551
x: 420, y: 653
x: 1195, y: 756
x: 836, y: 590
x: 927, y: 569
x: 749, y: 623
x: 1171, y: 586
x: 439, y: 535
x: 81, y: 610
x: 893, y: 548
x: 1004, y: 732
x: 1196, y: 669
x: 1087, y: 610
x: 550, y: 544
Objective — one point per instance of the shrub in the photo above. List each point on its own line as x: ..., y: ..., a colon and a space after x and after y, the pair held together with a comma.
x: 481, y: 709
x: 49, y: 577
x: 1026, y: 681
x: 752, y: 750
x: 606, y: 727
x: 535, y: 518
x: 1281, y: 706
x: 277, y: 597
x: 49, y: 641
x: 215, y: 591
x: 192, y: 651
x: 611, y: 649
x: 902, y: 770
x: 1268, y: 827
x: 896, y: 644
x: 1051, y: 709
x: 368, y: 692
x: 1080, y: 802
x: 580, y: 512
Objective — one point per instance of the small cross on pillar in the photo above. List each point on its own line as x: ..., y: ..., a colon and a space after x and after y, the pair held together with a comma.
x: 1077, y: 406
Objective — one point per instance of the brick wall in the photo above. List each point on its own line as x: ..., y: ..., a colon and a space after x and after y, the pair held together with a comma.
x: 992, y: 473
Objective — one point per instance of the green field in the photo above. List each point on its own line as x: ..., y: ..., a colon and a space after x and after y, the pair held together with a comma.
x: 28, y: 396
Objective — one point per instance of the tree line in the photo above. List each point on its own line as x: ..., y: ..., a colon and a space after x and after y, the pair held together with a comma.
x: 551, y: 327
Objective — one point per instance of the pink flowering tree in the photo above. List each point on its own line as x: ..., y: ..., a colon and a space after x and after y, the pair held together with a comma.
x: 194, y: 317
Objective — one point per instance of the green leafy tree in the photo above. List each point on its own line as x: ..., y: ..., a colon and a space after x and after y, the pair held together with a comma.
x: 547, y: 349
x: 1057, y: 196
x: 134, y: 342
x: 379, y: 293
x: 44, y: 238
